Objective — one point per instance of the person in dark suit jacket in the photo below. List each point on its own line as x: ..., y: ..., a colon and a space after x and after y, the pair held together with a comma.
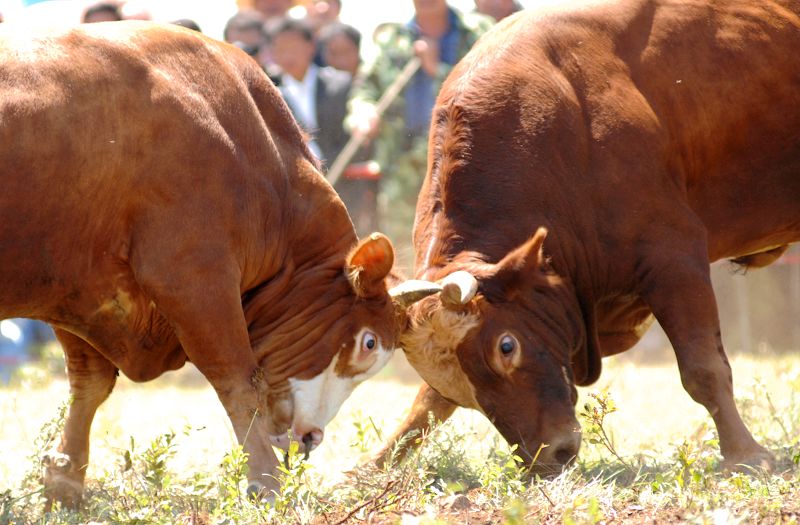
x: 317, y: 97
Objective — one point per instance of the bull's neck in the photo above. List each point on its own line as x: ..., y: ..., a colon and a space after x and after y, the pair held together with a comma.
x: 444, y: 245
x: 443, y: 241
x: 286, y: 316
x: 317, y: 234
x: 321, y: 229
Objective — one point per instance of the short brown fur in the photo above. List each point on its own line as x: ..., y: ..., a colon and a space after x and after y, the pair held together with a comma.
x: 158, y: 205
x: 649, y: 137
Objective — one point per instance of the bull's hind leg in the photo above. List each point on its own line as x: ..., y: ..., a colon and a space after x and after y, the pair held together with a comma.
x: 91, y: 379
x: 676, y: 283
x: 427, y: 402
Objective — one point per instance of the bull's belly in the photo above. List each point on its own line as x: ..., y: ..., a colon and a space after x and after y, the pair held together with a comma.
x: 122, y: 325
x: 90, y: 293
x: 752, y: 209
x: 135, y: 337
x: 104, y: 306
x: 141, y: 356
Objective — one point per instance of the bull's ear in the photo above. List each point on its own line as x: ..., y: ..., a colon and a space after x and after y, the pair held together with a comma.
x: 521, y: 264
x: 368, y: 265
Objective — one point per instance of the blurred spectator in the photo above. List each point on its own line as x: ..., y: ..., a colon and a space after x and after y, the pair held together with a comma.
x: 267, y: 8
x: 317, y: 97
x: 340, y: 46
x: 1, y: 18
x: 246, y: 31
x: 188, y: 23
x: 320, y: 13
x: 135, y: 10
x: 497, y: 9
x: 101, y: 12
x: 439, y: 35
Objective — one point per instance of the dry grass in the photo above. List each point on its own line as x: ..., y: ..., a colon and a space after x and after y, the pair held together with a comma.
x: 464, y: 475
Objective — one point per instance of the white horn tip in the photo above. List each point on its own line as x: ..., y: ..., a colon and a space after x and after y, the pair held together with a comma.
x: 459, y: 288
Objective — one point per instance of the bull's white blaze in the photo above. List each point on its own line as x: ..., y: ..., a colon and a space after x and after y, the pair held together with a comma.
x: 317, y: 400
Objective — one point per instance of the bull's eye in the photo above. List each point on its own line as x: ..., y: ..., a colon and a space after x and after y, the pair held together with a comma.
x: 368, y: 342
x: 507, y: 354
x: 508, y: 344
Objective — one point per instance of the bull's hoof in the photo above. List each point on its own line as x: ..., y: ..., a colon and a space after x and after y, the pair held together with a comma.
x: 385, y: 458
x: 257, y: 491
x: 61, y: 481
x: 760, y: 460
x: 380, y: 461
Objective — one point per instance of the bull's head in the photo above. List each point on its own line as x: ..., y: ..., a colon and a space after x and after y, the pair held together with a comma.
x: 499, y: 339
x: 313, y: 357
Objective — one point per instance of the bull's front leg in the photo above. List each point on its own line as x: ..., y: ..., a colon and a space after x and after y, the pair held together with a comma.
x: 91, y: 379
x: 427, y: 402
x: 203, y: 304
x: 244, y: 397
x: 239, y: 382
x: 676, y: 284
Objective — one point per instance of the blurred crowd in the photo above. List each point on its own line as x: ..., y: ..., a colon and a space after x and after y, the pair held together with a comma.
x: 315, y: 60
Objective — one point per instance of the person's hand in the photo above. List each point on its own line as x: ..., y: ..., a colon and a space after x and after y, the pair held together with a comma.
x: 364, y: 122
x: 428, y: 52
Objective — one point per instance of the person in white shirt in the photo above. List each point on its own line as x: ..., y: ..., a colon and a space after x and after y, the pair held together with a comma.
x: 293, y: 49
x: 317, y: 97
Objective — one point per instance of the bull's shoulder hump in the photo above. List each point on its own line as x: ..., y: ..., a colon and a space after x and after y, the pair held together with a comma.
x: 104, y: 50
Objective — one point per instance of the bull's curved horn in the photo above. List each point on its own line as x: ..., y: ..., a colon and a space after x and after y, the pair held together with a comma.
x: 411, y: 291
x: 459, y: 288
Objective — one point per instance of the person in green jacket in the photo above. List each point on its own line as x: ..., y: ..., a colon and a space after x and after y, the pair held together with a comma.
x: 440, y: 36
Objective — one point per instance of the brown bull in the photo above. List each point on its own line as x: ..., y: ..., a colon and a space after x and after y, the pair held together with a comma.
x: 158, y: 206
x: 587, y: 162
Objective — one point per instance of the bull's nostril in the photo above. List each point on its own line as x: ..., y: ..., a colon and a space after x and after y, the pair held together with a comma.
x: 312, y: 439
x: 565, y: 454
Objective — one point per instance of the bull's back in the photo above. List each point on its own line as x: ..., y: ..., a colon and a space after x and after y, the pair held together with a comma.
x: 698, y: 101
x: 724, y: 82
x: 708, y: 79
x: 102, y: 128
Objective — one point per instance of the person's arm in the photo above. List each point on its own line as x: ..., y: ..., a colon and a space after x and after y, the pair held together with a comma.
x: 370, y: 83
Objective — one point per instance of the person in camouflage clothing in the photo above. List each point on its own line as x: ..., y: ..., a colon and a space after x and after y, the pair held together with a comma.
x: 439, y: 35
